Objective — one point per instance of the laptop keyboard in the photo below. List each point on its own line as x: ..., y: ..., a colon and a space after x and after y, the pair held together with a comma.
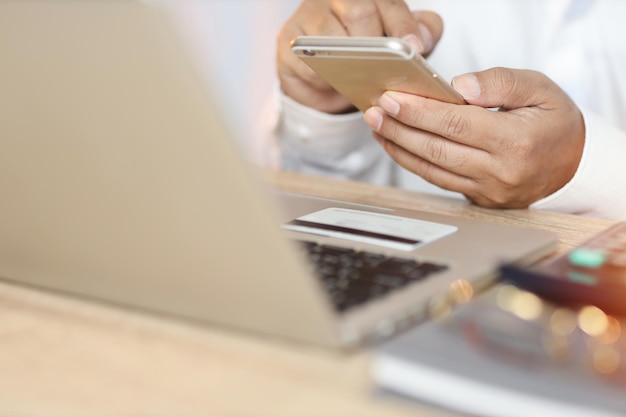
x: 353, y: 277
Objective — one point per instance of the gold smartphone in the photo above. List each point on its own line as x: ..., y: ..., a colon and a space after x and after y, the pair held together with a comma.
x: 363, y: 68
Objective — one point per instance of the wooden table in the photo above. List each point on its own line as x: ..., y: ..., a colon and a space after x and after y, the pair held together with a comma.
x: 61, y: 356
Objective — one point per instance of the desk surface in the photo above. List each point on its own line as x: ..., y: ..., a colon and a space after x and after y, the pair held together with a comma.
x: 69, y: 357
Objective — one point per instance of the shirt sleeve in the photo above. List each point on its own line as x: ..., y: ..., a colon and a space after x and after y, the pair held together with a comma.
x: 306, y: 140
x: 598, y: 188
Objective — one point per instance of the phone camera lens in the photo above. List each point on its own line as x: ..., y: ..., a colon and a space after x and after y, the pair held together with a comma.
x: 308, y: 52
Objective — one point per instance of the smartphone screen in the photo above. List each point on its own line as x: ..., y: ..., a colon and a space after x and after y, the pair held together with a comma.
x: 363, y: 68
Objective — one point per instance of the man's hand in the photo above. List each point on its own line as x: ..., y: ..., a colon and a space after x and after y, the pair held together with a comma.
x: 346, y: 18
x: 527, y: 150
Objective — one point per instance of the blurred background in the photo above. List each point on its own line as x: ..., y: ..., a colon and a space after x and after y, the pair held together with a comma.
x: 234, y: 43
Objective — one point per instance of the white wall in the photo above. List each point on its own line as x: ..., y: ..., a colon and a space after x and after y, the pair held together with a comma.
x: 235, y: 44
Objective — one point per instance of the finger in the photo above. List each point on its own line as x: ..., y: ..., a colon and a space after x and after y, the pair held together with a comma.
x: 359, y: 17
x: 448, y: 155
x: 471, y: 188
x: 297, y: 79
x: 388, y: 18
x: 317, y: 18
x: 290, y: 67
x: 375, y: 17
x: 397, y: 18
x: 425, y: 169
x: 304, y: 85
x: 305, y: 21
x: 464, y: 124
x: 505, y: 88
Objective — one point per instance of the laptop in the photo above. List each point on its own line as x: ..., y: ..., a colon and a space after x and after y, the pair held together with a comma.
x: 120, y: 181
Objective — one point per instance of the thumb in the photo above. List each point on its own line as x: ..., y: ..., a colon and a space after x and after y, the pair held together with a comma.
x: 503, y: 87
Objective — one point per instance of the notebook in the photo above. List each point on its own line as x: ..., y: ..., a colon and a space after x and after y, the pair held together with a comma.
x: 121, y: 182
x: 486, y: 360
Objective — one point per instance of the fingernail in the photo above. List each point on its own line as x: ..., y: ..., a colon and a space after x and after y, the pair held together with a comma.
x: 414, y: 42
x: 467, y: 85
x: 389, y: 104
x: 374, y: 118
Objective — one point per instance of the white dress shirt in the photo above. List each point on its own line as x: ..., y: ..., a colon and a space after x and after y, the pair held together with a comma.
x: 580, y: 44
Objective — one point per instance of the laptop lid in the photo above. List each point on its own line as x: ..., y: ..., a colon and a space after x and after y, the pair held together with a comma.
x: 119, y: 181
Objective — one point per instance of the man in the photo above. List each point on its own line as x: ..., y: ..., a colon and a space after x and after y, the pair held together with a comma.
x: 556, y: 143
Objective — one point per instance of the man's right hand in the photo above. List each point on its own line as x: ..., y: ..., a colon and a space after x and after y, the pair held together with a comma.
x: 346, y: 18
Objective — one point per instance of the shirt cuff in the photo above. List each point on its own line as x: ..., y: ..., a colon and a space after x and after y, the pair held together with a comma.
x: 319, y: 132
x: 338, y: 146
x: 598, y: 188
